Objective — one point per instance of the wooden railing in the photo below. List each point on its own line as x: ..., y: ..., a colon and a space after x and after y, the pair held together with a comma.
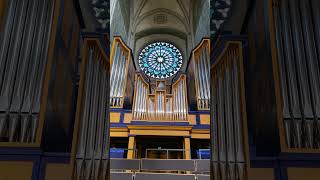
x: 228, y: 114
x: 160, y: 105
x: 122, y: 73
x: 199, y: 66
x: 91, y: 142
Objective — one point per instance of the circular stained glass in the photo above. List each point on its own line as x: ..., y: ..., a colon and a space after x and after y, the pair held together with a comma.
x: 160, y: 60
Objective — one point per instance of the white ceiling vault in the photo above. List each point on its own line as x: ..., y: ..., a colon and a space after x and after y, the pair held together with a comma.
x: 182, y: 23
x: 175, y: 11
x: 173, y: 21
x: 165, y: 20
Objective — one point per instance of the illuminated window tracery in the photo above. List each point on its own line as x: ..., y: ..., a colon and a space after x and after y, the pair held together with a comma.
x: 160, y: 60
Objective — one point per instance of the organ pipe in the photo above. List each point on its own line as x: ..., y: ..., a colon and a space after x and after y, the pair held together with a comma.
x: 160, y: 106
x: 120, y: 59
x: 140, y: 100
x: 226, y: 118
x: 92, y: 157
x: 24, y: 45
x: 300, y: 63
x: 236, y: 113
x: 290, y: 66
x: 201, y: 72
x: 297, y: 40
x: 311, y: 55
x: 283, y: 75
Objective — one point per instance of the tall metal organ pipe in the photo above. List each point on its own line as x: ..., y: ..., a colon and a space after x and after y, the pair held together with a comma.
x: 24, y: 44
x: 120, y: 63
x: 297, y: 41
x: 228, y: 159
x: 160, y: 105
x: 201, y: 72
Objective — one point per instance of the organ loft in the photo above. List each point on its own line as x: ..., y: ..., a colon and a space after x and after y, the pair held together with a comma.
x: 159, y: 89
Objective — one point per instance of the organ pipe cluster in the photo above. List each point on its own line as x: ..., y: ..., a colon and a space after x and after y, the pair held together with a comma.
x: 160, y: 106
x: 227, y: 123
x: 180, y: 107
x: 92, y: 157
x: 23, y: 57
x: 141, y: 98
x: 297, y: 24
x: 120, y: 58
x: 201, y: 57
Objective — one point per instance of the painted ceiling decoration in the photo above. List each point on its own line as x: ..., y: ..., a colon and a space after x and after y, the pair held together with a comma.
x: 101, y: 10
x: 160, y: 60
x: 219, y: 13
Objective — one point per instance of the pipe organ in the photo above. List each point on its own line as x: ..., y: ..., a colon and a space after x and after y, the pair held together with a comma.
x: 122, y: 74
x: 92, y: 154
x: 201, y: 69
x: 180, y: 104
x: 160, y: 105
x: 297, y: 31
x: 23, y: 58
x: 228, y: 152
x: 140, y: 99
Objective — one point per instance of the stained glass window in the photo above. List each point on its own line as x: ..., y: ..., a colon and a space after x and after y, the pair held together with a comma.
x: 160, y: 60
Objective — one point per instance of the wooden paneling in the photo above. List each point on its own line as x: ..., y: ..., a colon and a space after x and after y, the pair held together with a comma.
x: 118, y: 134
x: 303, y: 173
x: 114, y: 117
x: 58, y: 171
x: 68, y: 17
x: 127, y: 117
x: 260, y: 85
x: 192, y: 119
x: 3, y: 5
x: 63, y: 86
x: 159, y: 133
x: 200, y: 136
x: 15, y: 170
x: 261, y: 174
x: 204, y: 119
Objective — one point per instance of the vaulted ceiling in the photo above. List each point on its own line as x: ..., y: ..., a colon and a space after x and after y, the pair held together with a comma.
x: 171, y: 14
x: 227, y: 15
x: 165, y: 20
x: 180, y: 22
